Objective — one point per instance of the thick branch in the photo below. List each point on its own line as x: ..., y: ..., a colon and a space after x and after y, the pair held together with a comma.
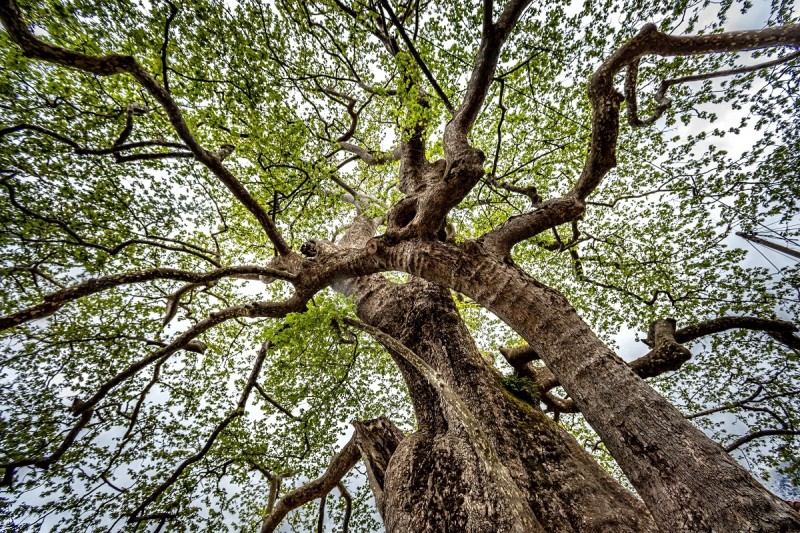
x: 54, y: 301
x: 377, y: 440
x: 517, y: 229
x: 718, y: 325
x: 494, y: 36
x: 667, y: 353
x: 368, y: 157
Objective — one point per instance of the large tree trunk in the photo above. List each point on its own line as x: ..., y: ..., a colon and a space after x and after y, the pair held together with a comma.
x: 434, y: 481
x: 688, y: 482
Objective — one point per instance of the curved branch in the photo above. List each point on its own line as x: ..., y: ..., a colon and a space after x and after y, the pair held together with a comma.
x: 663, y: 103
x: 368, y: 157
x: 113, y: 150
x: 54, y: 301
x: 494, y: 36
x: 107, y: 65
x: 341, y: 463
x: 522, y: 227
x: 741, y: 441
x: 606, y: 99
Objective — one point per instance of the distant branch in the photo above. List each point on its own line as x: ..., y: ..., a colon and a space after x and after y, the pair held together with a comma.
x: 237, y: 412
x: 741, y: 441
x: 492, y: 40
x: 78, y: 240
x: 173, y: 10
x: 415, y: 54
x: 348, y: 506
x: 113, y: 150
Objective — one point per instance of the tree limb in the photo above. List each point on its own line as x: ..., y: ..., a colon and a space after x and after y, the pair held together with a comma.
x: 348, y: 506
x: 667, y: 355
x: 516, y: 229
x: 54, y: 301
x: 663, y: 103
x: 341, y: 463
x: 741, y: 441
x: 718, y: 325
x: 80, y: 241
x: 107, y: 65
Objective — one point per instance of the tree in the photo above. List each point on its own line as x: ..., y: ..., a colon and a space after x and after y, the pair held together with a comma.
x: 183, y: 183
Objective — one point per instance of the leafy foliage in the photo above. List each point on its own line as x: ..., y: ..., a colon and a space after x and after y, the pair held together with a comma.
x: 283, y: 82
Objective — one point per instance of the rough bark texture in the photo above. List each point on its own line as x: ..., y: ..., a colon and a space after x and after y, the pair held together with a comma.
x: 377, y: 439
x: 688, y: 482
x: 565, y: 488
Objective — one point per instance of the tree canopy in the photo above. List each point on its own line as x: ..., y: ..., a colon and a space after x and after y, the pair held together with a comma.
x: 168, y: 355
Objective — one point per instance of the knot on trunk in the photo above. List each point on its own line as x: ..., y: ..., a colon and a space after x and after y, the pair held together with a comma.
x: 317, y: 247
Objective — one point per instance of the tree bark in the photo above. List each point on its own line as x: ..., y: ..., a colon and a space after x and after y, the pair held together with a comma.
x: 687, y: 481
x: 563, y: 485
